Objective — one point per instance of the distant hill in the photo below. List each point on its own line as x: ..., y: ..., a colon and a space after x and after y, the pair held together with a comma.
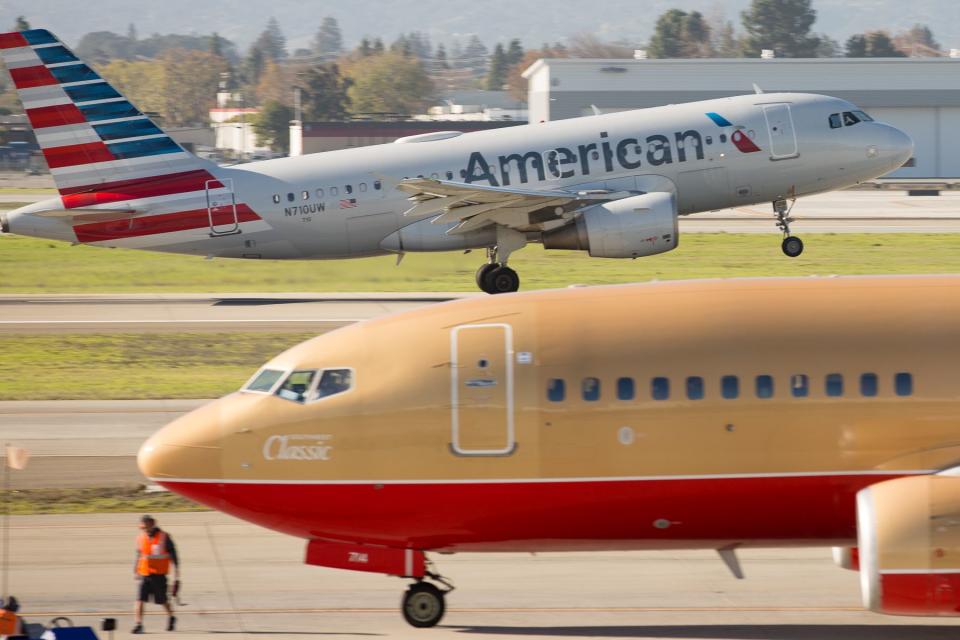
x: 446, y: 20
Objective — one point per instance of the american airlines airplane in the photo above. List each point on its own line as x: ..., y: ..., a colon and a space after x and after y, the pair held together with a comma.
x: 612, y: 185
x: 796, y: 412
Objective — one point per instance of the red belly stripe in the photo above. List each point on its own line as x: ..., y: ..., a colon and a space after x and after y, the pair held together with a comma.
x: 74, y: 154
x: 12, y: 40
x: 27, y: 77
x: 162, y: 223
x: 55, y: 116
x: 183, y: 182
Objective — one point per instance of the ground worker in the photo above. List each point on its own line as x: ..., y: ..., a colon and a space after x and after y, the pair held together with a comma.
x: 155, y: 553
x: 10, y: 623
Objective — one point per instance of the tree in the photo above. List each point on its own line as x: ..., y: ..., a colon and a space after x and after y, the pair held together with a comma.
x: 781, y: 25
x: 725, y: 43
x: 497, y: 74
x: 324, y: 93
x: 216, y: 44
x: 587, y: 45
x: 516, y: 83
x: 828, y: 47
x: 873, y: 44
x: 378, y: 47
x: 275, y: 84
x: 191, y: 82
x: 474, y: 56
x: 440, y: 58
x: 918, y: 40
x: 673, y: 33
x: 132, y: 32
x: 100, y: 47
x: 390, y: 83
x: 514, y: 52
x: 271, y: 41
x: 328, y: 41
x: 141, y: 81
x: 21, y: 24
x: 272, y: 126
x: 364, y: 49
x: 253, y: 65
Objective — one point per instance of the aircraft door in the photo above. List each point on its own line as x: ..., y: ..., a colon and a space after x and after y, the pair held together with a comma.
x: 783, y: 136
x: 222, y: 207
x: 482, y: 390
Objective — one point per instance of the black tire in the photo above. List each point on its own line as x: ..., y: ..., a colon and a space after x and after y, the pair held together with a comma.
x: 482, y: 273
x: 423, y: 605
x: 792, y: 246
x: 501, y: 280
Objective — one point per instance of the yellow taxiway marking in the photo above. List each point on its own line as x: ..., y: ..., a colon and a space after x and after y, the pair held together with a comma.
x: 733, y: 609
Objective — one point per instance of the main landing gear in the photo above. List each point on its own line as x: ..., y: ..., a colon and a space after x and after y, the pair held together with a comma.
x: 496, y: 276
x: 424, y: 603
x: 792, y: 246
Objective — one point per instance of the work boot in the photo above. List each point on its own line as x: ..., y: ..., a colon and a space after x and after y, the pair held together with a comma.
x: 171, y: 623
x: 138, y: 628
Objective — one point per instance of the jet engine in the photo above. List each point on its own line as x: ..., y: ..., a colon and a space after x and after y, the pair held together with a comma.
x: 909, y: 546
x: 426, y: 236
x: 631, y: 227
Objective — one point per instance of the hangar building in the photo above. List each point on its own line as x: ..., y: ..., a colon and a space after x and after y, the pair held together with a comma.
x: 918, y: 95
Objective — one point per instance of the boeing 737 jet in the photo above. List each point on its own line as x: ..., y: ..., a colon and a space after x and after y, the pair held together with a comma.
x: 795, y: 412
x: 612, y: 185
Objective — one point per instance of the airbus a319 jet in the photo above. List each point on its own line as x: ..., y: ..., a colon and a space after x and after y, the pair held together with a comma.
x: 612, y: 185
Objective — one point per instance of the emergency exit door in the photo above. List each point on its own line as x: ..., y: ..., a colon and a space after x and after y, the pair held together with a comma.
x: 482, y: 390
x: 222, y: 207
x: 783, y: 137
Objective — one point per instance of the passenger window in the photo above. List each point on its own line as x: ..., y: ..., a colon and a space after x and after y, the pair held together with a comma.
x: 363, y: 187
x: 376, y: 185
x: 320, y: 193
x: 590, y: 388
x: 435, y: 175
x: 723, y: 137
x: 868, y: 385
x: 334, y: 381
x: 276, y: 198
x: 333, y: 191
x: 348, y: 189
x: 695, y: 388
x: 305, y: 195
x: 291, y: 197
x: 296, y: 385
x: 850, y: 119
x: 730, y: 387
x: 625, y: 389
x: 449, y: 175
x: 660, y: 388
x: 835, y: 121
x: 764, y: 386
x: 556, y: 390
x: 799, y: 385
x: 834, y: 384
x: 903, y: 383
x: 264, y: 381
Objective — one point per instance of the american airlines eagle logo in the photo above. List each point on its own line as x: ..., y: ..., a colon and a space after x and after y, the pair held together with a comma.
x: 739, y: 138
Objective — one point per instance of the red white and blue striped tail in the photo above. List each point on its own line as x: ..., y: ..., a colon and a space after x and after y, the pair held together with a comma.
x: 94, y: 140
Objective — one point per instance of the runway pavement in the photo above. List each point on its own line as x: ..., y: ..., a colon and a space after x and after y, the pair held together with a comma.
x: 243, y: 581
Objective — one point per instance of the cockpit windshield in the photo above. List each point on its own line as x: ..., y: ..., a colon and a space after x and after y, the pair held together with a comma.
x: 848, y: 118
x: 264, y: 381
x: 296, y: 385
x: 334, y: 381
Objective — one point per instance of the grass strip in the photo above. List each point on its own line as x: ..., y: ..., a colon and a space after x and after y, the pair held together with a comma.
x: 95, y: 500
x: 29, y: 265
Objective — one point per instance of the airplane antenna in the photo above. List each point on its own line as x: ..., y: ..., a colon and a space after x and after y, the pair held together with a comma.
x: 729, y: 556
x: 596, y: 110
x: 757, y: 89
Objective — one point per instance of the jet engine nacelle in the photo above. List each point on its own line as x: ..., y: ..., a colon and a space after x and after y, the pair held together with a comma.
x: 632, y: 227
x: 426, y: 236
x: 909, y: 546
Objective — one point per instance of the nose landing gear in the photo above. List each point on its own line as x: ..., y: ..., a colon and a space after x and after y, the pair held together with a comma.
x: 424, y: 603
x: 792, y: 246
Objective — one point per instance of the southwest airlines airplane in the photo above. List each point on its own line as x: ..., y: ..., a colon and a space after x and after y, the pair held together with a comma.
x: 612, y: 185
x: 796, y: 412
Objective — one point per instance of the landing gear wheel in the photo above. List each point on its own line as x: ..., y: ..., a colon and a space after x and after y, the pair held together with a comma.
x: 482, y: 274
x: 501, y: 280
x: 792, y: 246
x: 423, y: 605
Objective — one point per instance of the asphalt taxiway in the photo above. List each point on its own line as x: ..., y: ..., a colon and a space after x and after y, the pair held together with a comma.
x: 243, y: 581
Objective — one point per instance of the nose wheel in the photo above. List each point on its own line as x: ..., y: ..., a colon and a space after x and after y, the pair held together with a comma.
x: 424, y: 603
x: 792, y: 246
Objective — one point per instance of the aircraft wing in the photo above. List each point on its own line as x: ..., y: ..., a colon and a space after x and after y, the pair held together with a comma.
x: 474, y: 206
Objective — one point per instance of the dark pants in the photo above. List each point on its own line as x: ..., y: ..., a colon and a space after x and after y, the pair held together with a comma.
x: 153, y: 586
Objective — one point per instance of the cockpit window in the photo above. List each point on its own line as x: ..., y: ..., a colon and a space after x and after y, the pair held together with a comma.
x: 334, y: 381
x: 296, y: 385
x: 835, y: 121
x: 850, y: 118
x: 863, y: 116
x: 263, y: 382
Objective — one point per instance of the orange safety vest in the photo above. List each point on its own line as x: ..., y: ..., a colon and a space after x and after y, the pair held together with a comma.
x: 9, y: 624
x: 154, y: 558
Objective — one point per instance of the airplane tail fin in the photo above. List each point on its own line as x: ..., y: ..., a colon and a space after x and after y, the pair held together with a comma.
x: 94, y: 140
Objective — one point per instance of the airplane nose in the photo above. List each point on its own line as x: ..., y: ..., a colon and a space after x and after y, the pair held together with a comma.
x: 188, y: 447
x: 895, y: 146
